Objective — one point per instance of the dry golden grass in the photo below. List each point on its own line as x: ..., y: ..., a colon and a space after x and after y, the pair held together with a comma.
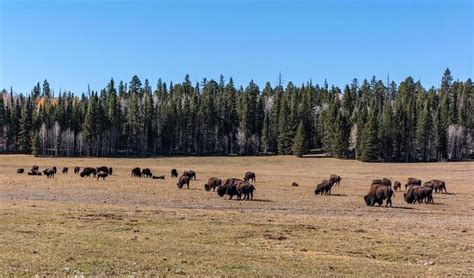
x: 71, y: 225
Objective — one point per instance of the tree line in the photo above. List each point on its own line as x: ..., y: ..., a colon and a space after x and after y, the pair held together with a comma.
x: 368, y: 121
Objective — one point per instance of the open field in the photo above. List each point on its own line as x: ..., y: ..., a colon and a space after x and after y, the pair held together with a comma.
x: 70, y: 225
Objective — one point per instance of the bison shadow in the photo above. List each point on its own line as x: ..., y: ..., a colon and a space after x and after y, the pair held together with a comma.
x: 262, y: 200
x: 337, y: 194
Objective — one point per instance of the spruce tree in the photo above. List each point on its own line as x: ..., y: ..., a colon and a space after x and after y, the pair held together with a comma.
x: 300, y: 145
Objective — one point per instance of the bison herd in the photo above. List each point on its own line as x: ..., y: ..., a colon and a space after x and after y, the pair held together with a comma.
x: 380, y: 190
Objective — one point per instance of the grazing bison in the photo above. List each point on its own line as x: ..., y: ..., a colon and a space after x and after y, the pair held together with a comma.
x: 397, y: 186
x: 182, y: 181
x: 65, y: 170
x: 294, y: 184
x: 439, y: 185
x: 250, y: 176
x: 324, y: 188
x: 416, y: 193
x: 246, y: 189
x: 335, y: 179
x: 86, y: 172
x: 77, y: 169
x: 34, y: 169
x: 191, y: 174
x: 412, y: 181
x: 49, y: 173
x: 54, y: 169
x: 213, y: 183
x: 174, y: 173
x: 20, y: 171
x: 102, y: 175
x: 158, y: 177
x: 136, y: 172
x: 229, y: 187
x: 377, y: 194
x: 147, y: 173
x: 104, y: 169
x: 383, y: 181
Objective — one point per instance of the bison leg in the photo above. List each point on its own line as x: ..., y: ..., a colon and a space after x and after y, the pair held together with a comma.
x: 251, y: 195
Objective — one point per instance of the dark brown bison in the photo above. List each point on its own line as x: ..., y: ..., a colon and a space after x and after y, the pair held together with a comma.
x: 416, y: 193
x: 324, y: 188
x: 383, y: 181
x: 411, y: 180
x: 250, y: 176
x: 104, y: 169
x: 294, y: 184
x: 397, y: 186
x: 191, y: 174
x: 49, y: 173
x: 182, y: 181
x: 54, y: 169
x: 229, y: 187
x: 174, y: 173
x: 246, y: 189
x: 77, y: 169
x: 20, y: 171
x: 65, y: 170
x: 87, y: 171
x: 102, y: 175
x: 110, y: 171
x: 428, y: 184
x: 158, y: 177
x: 335, y: 179
x: 439, y: 185
x: 136, y: 172
x: 213, y: 183
x: 377, y: 194
x: 34, y: 169
x: 147, y: 173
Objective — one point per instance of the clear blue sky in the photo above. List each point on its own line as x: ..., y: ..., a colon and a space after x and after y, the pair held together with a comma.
x: 76, y: 43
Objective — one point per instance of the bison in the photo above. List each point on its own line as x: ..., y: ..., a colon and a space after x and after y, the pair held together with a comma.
x: 416, y: 193
x: 377, y: 194
x: 147, y: 173
x: 294, y: 184
x: 158, y: 177
x: 87, y: 171
x: 229, y: 187
x: 34, y: 169
x: 104, y: 169
x: 20, y: 171
x: 65, y: 170
x: 397, y: 186
x: 383, y: 181
x: 412, y: 181
x: 250, y: 176
x: 182, y: 181
x: 174, y: 173
x: 246, y: 189
x: 191, y: 174
x: 213, y: 183
x: 77, y: 169
x: 49, y: 173
x: 102, y: 175
x: 335, y: 179
x: 136, y: 172
x: 324, y: 188
x: 439, y: 185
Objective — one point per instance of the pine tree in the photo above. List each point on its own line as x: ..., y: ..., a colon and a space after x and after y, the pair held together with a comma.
x: 25, y: 127
x: 300, y: 145
x: 370, y: 143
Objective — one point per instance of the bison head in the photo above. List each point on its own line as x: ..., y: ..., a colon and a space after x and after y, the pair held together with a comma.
x: 221, y: 191
x: 367, y: 200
